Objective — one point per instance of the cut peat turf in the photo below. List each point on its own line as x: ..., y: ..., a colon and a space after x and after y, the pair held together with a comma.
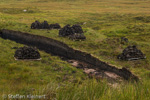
x: 27, y: 53
x: 44, y: 25
x: 36, y: 25
x: 54, y: 26
x: 66, y: 31
x: 77, y: 28
x: 74, y: 33
x: 131, y: 53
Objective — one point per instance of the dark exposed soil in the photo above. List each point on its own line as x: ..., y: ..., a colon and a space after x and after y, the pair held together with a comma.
x: 131, y: 53
x: 94, y: 72
x: 27, y: 53
x: 64, y: 51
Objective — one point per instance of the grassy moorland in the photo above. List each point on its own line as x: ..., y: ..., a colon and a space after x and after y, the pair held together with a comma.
x: 104, y: 23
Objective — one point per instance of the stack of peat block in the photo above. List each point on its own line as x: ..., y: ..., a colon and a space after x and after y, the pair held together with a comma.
x: 27, y: 53
x: 131, y: 53
x: 44, y: 25
x: 74, y: 32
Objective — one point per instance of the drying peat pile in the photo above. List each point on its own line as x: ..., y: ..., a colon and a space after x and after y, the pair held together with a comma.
x: 54, y: 26
x: 64, y: 51
x: 36, y: 25
x: 66, y: 31
x: 75, y: 32
x: 77, y: 29
x: 131, y: 53
x: 27, y: 53
x: 44, y: 25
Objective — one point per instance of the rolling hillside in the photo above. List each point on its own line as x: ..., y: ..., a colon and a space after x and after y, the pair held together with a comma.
x: 104, y: 22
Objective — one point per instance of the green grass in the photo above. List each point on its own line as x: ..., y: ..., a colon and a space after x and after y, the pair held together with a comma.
x: 103, y: 22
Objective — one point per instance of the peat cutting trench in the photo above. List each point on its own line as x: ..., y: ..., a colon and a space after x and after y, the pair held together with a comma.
x: 90, y: 64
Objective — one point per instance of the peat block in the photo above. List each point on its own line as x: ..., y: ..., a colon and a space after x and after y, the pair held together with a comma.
x: 44, y: 25
x: 131, y: 53
x: 77, y: 29
x: 75, y: 32
x: 36, y: 25
x: 66, y: 31
x: 54, y: 26
x: 27, y: 53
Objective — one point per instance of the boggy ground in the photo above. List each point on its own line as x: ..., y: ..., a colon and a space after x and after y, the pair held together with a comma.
x: 104, y: 23
x: 60, y: 49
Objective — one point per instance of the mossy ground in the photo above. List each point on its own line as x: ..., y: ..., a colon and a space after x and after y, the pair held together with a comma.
x: 104, y: 23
